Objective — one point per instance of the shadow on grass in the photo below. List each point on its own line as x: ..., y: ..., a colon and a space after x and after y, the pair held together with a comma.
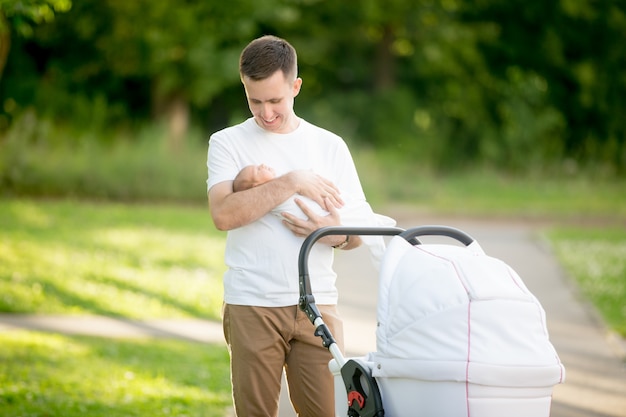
x: 94, y: 304
x: 163, y: 268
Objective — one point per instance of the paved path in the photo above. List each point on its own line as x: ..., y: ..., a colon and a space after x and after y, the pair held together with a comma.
x: 596, y: 371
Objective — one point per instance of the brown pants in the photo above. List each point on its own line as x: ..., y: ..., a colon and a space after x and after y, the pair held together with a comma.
x: 262, y: 341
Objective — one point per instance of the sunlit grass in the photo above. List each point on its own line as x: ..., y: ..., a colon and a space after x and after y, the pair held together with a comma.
x: 61, y: 376
x: 596, y: 259
x: 135, y: 261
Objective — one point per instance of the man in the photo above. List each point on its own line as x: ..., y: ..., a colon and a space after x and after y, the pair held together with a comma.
x: 263, y: 327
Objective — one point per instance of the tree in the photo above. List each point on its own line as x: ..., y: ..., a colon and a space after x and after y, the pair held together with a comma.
x: 448, y: 83
x: 571, y: 53
x: 169, y: 56
x: 21, y: 15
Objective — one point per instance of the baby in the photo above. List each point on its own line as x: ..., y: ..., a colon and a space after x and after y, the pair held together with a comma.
x: 253, y: 175
x: 357, y: 214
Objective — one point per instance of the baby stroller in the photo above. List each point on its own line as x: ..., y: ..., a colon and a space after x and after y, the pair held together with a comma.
x: 458, y: 334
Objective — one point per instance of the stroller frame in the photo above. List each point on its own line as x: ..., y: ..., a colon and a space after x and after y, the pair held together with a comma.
x: 364, y: 398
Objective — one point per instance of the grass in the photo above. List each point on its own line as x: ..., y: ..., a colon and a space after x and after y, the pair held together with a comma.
x: 596, y: 259
x: 486, y: 193
x: 59, y: 376
x: 136, y: 261
x: 125, y: 260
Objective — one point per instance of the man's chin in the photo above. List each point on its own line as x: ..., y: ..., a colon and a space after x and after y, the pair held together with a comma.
x: 273, y: 126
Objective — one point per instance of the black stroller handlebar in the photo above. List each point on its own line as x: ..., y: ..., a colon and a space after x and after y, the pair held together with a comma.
x: 307, y: 300
x: 435, y: 230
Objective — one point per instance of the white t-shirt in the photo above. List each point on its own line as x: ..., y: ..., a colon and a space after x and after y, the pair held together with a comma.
x: 262, y: 257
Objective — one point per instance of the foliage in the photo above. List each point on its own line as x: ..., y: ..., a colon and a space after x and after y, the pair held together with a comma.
x: 61, y: 376
x: 19, y: 16
x: 139, y: 55
x: 515, y: 86
x: 596, y: 259
x: 133, y: 261
x: 571, y: 53
x: 22, y: 14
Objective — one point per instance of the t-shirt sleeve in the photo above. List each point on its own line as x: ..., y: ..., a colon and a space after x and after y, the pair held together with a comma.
x: 221, y: 165
x: 349, y: 182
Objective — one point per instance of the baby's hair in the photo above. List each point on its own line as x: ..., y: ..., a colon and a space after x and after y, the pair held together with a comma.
x: 242, y: 180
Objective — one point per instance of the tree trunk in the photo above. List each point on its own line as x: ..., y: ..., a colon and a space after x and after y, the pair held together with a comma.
x: 173, y: 110
x: 178, y: 123
x: 385, y: 62
x: 5, y: 42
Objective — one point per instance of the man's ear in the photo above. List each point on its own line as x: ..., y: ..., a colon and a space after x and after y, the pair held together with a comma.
x: 297, y: 84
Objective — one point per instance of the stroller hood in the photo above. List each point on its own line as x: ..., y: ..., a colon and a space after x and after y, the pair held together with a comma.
x: 452, y: 313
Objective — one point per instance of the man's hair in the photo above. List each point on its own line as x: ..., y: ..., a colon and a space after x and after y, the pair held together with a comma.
x: 266, y: 55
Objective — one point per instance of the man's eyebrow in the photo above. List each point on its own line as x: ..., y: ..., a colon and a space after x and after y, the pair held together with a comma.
x: 274, y: 100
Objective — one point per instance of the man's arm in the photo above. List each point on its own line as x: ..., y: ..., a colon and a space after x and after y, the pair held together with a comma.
x: 230, y: 210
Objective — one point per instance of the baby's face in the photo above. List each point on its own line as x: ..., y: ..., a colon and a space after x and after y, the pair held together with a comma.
x: 262, y: 173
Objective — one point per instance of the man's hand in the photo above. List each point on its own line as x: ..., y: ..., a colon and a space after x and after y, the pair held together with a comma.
x: 303, y: 228
x: 316, y: 187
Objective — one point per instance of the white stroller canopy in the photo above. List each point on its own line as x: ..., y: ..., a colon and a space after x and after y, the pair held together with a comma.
x: 452, y: 313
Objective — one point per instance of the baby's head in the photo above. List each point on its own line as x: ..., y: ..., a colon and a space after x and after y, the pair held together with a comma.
x: 251, y: 176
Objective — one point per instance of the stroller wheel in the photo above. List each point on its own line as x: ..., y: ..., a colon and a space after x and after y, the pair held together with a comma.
x: 364, y: 398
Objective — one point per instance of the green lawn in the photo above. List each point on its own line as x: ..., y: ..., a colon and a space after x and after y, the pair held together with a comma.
x: 486, y: 193
x: 60, y: 376
x: 135, y: 261
x: 596, y: 259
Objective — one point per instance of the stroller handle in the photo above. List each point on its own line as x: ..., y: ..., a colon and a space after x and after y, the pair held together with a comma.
x: 436, y: 230
x: 307, y: 300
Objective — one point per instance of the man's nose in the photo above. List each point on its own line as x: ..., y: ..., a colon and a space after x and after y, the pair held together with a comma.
x: 267, y: 110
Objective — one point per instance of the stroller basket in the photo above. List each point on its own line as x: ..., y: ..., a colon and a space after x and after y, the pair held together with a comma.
x: 458, y: 334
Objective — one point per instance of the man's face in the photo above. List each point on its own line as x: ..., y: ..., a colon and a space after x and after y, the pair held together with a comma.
x: 271, y: 102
